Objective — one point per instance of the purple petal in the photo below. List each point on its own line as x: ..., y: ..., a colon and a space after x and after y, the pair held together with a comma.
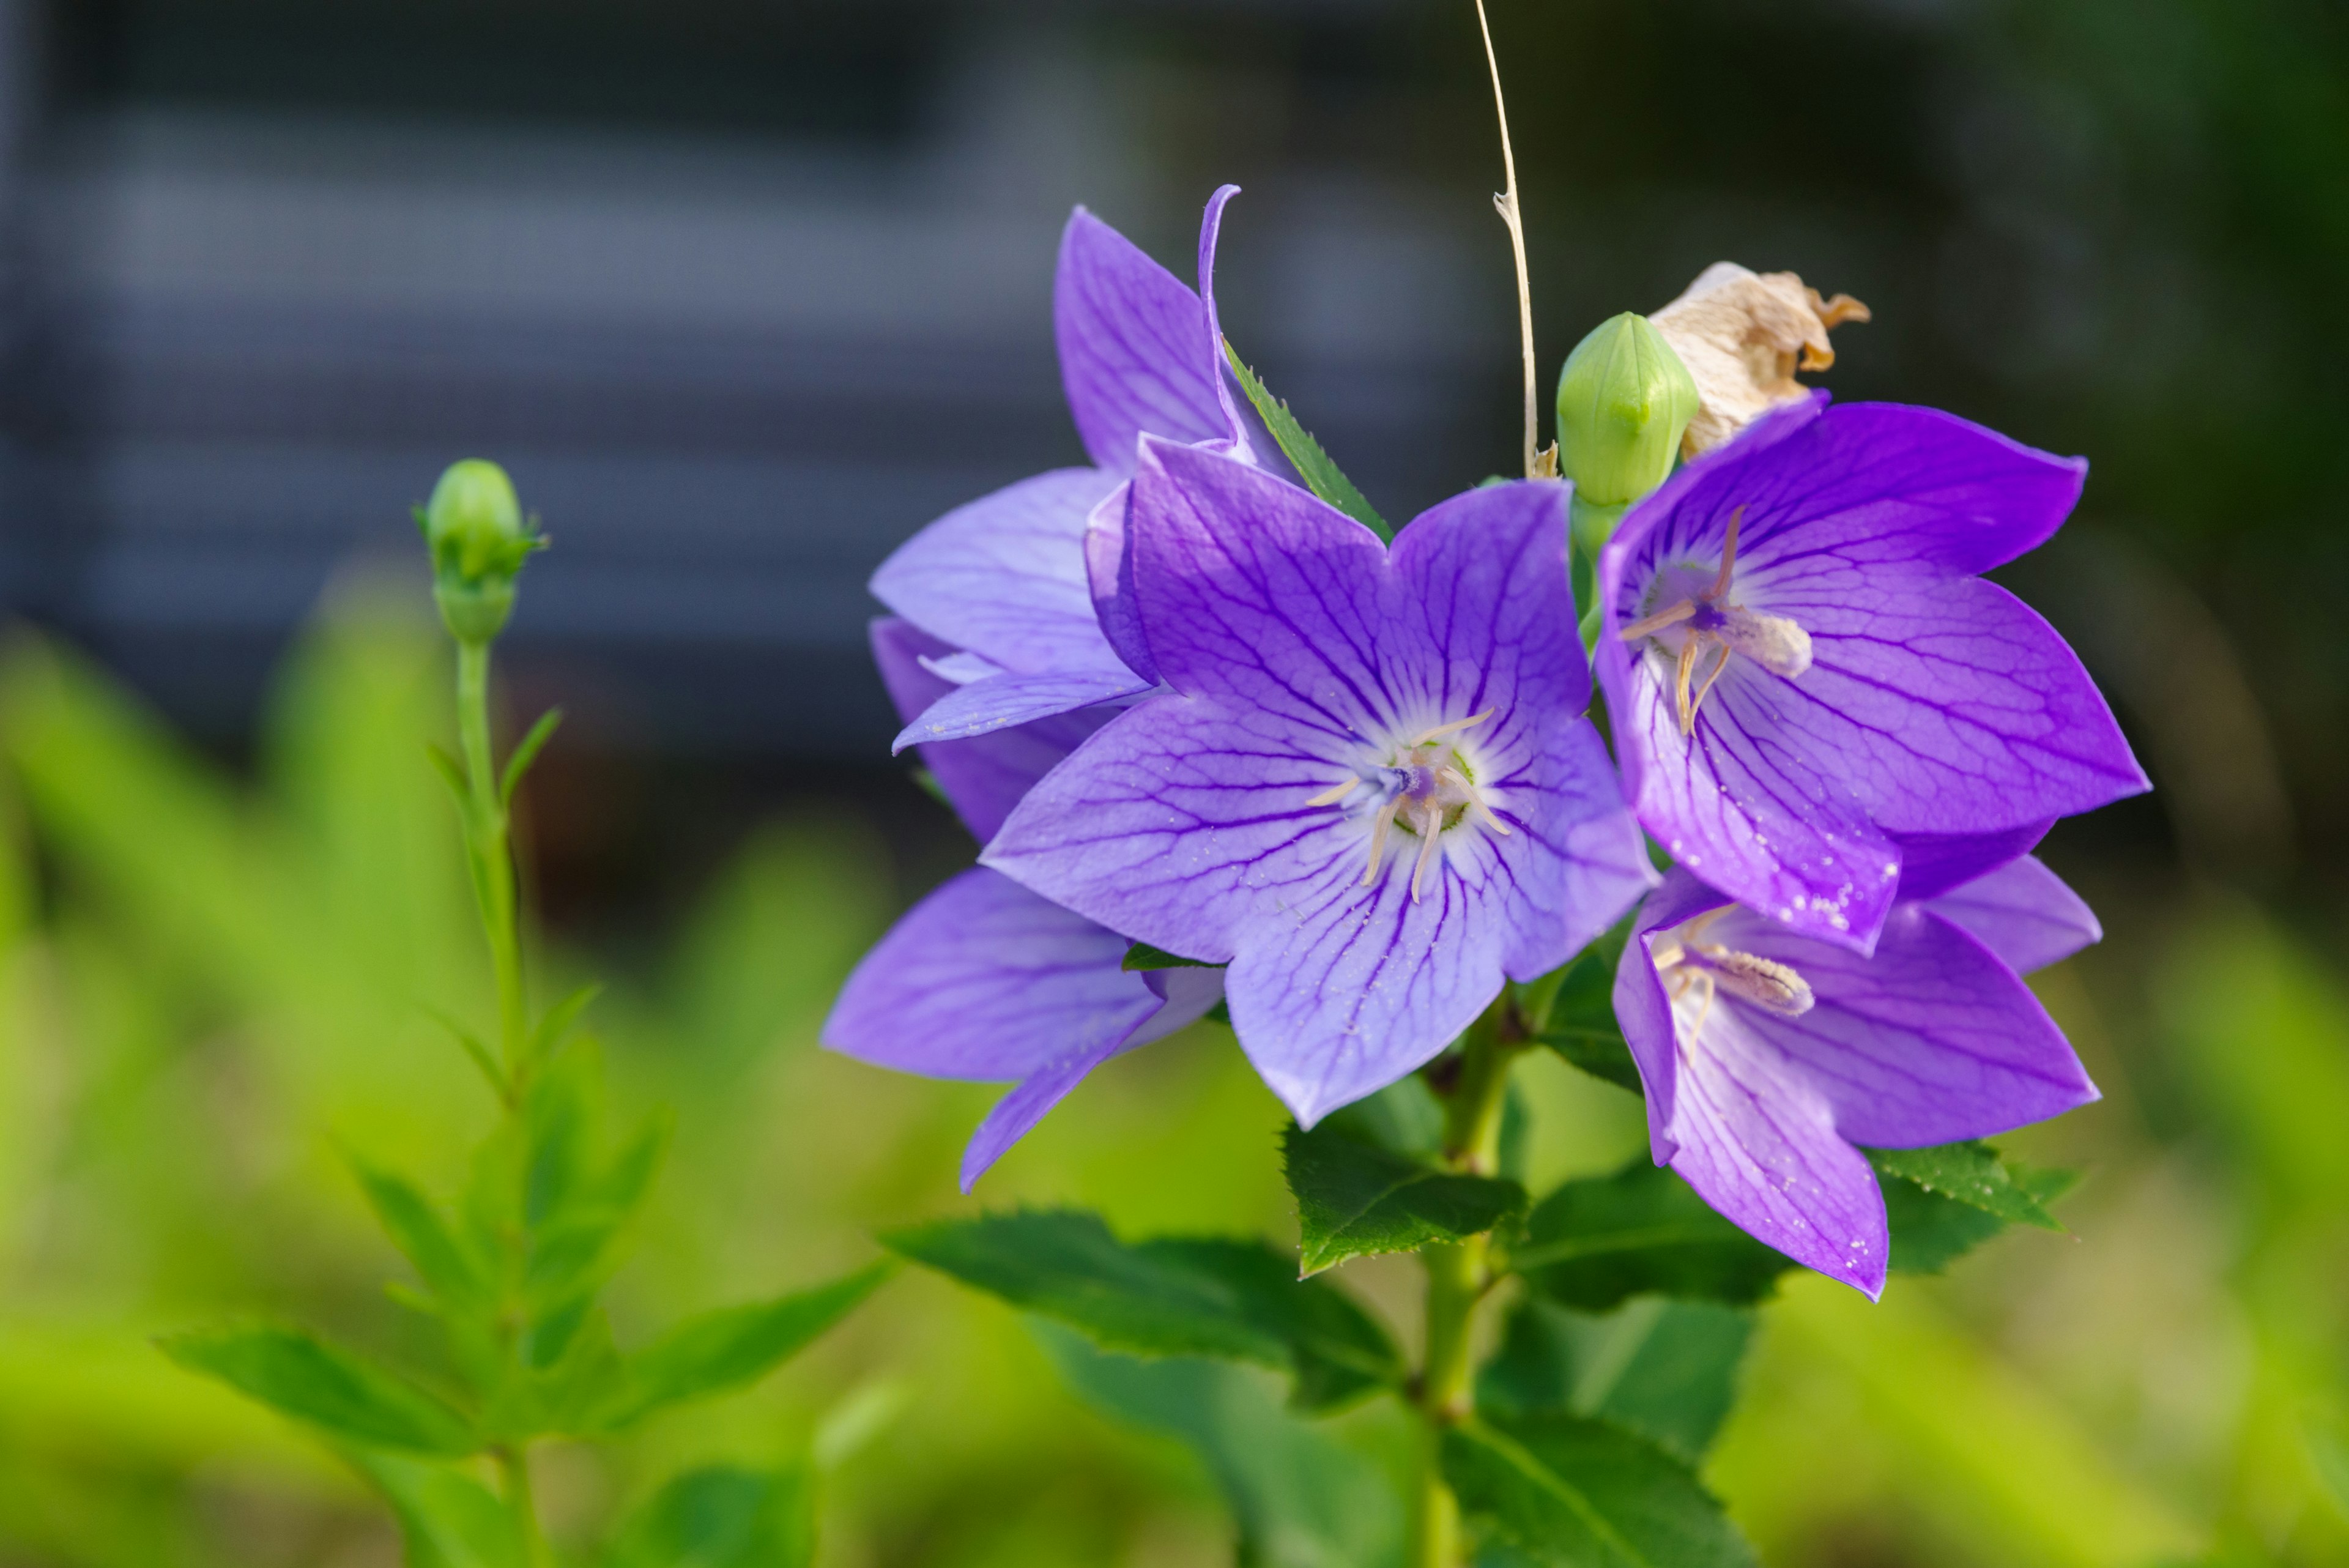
x: 999, y: 701
x: 1134, y: 352
x: 985, y: 980
x: 1108, y: 569
x: 1645, y: 1012
x: 2024, y: 913
x: 1289, y: 640
x: 984, y: 777
x: 1017, y: 1114
x: 1210, y: 226
x: 1930, y: 1041
x: 1933, y: 863
x: 1004, y: 576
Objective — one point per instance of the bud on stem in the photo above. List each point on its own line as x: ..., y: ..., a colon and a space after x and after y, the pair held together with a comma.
x: 474, y: 527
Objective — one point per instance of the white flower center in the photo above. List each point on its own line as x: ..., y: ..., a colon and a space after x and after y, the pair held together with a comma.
x: 1701, y: 623
x: 1695, y: 971
x: 1425, y: 785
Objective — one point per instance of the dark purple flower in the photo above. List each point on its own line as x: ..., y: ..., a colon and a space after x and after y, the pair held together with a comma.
x: 983, y: 979
x: 1768, y: 1055
x: 1371, y: 788
x: 1810, y: 685
x: 1004, y: 579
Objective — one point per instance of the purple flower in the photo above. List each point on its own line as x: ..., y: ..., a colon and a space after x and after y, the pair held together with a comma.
x: 1372, y: 789
x: 983, y: 979
x: 1812, y: 689
x: 1005, y: 579
x: 1768, y: 1055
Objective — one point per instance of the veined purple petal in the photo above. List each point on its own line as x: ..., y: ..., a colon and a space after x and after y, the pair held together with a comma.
x: 1210, y: 227
x: 1134, y: 353
x: 1001, y: 702
x: 1004, y: 576
x: 1930, y: 709
x: 1187, y: 1000
x: 1108, y: 569
x: 985, y: 980
x: 1933, y: 863
x: 2024, y: 913
x: 1293, y: 643
x: 985, y: 777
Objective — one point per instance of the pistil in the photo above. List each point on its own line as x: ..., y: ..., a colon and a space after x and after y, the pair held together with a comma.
x: 1688, y: 964
x: 1717, y: 629
x: 1425, y: 785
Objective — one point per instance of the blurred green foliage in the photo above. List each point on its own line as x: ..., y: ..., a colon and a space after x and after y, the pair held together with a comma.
x: 214, y: 988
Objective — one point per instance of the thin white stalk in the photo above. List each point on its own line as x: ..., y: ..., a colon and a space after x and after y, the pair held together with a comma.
x: 1506, y: 203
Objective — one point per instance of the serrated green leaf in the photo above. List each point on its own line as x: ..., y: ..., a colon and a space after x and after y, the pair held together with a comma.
x: 1973, y: 1174
x: 722, y: 1516
x: 1143, y: 956
x: 1355, y: 1200
x: 734, y: 1346
x: 1300, y: 1497
x: 1579, y: 1023
x: 1321, y: 476
x: 1930, y: 1231
x: 1405, y: 1118
x: 1173, y: 1296
x: 525, y: 755
x: 415, y: 1226
x: 1664, y: 1369
x: 447, y: 1519
x: 326, y: 1386
x: 1569, y: 1492
x: 1595, y: 1242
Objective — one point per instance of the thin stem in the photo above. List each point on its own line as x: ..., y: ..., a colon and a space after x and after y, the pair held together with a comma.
x: 1511, y: 214
x: 494, y: 874
x: 1457, y: 1279
x: 513, y: 1470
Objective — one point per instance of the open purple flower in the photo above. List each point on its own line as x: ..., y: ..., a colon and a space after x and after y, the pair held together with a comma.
x: 983, y: 979
x: 1004, y: 579
x: 1810, y: 685
x: 1372, y: 789
x: 1768, y: 1055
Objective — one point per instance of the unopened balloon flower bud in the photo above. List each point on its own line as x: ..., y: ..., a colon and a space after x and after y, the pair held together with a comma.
x: 1623, y: 402
x: 479, y: 538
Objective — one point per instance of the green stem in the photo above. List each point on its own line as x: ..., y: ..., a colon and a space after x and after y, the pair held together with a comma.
x: 1457, y: 1279
x: 493, y: 874
x: 513, y: 1470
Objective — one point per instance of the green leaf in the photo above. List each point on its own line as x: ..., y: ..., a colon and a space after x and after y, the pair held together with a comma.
x: 1664, y: 1369
x: 1239, y: 1301
x: 1930, y: 1231
x: 518, y: 764
x: 452, y: 774
x: 723, y: 1517
x: 417, y: 1229
x: 1405, y: 1118
x: 1320, y: 475
x: 1579, y: 1023
x: 328, y: 1387
x: 555, y: 1027
x: 1143, y: 956
x: 1599, y: 1241
x: 1302, y: 1498
x: 1354, y: 1199
x: 1973, y: 1173
x: 478, y: 1052
x: 447, y: 1517
x: 1569, y: 1492
x: 734, y: 1346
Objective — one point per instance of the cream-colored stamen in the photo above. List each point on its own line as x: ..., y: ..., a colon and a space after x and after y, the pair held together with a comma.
x: 1426, y: 785
x: 1686, y: 963
x: 1773, y: 641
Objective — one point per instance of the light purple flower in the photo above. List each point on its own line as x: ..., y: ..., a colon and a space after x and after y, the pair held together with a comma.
x: 1005, y: 578
x: 1768, y: 1055
x: 1810, y: 685
x: 1330, y: 703
x: 983, y: 979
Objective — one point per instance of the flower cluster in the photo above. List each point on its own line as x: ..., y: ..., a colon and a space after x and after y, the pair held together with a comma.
x: 1223, y: 746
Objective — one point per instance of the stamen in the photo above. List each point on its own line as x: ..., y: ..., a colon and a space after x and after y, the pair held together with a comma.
x: 1728, y: 557
x: 1475, y: 802
x: 1681, y: 703
x: 1456, y: 724
x: 1334, y: 794
x: 1658, y: 621
x: 1431, y: 824
x: 1774, y: 642
x: 1378, y: 843
x: 1688, y: 715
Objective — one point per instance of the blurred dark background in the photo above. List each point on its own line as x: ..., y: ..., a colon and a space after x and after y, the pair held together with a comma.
x: 744, y: 292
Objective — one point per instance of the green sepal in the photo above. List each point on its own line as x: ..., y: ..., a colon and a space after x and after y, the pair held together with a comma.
x: 1664, y: 1369
x: 1355, y: 1200
x: 722, y: 1516
x: 1238, y: 1301
x: 1596, y: 1242
x: 717, y: 1352
x: 339, y: 1392
x: 1321, y: 476
x: 1143, y: 956
x: 1564, y: 1491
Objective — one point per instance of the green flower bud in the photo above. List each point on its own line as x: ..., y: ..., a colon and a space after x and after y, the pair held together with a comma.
x: 1623, y: 402
x: 479, y: 538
